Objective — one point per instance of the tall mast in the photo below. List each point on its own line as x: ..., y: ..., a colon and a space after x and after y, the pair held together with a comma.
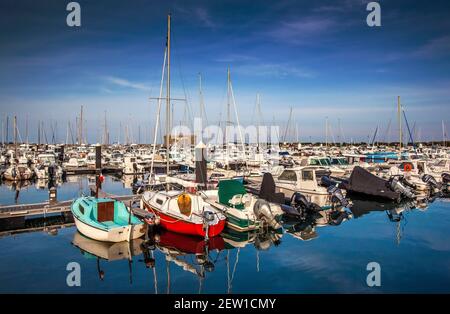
x: 26, y: 128
x: 168, y: 97
x: 15, y: 136
x: 399, y: 116
x: 81, y: 127
x: 39, y: 132
x: 443, y: 133
x: 326, y: 131
x: 258, y: 110
x: 7, y: 129
x: 228, y: 107
x: 200, y: 94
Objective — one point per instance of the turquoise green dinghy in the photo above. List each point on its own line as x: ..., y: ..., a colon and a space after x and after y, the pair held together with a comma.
x: 105, y: 219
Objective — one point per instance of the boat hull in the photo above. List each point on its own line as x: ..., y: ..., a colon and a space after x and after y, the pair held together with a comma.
x: 185, y: 227
x: 118, y: 234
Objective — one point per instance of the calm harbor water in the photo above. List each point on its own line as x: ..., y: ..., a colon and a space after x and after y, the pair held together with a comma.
x: 411, y: 246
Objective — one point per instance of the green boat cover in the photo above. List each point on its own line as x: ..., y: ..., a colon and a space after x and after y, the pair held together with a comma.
x: 228, y: 189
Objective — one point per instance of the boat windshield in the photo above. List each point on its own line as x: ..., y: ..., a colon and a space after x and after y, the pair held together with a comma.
x: 339, y: 161
x: 324, y: 162
x: 288, y: 175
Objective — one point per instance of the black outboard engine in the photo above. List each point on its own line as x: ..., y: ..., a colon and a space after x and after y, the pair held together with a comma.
x: 445, y: 178
x: 337, y: 217
x: 397, y: 186
x: 336, y: 196
x: 431, y: 181
x: 51, y: 172
x: 299, y: 202
x: 327, y: 181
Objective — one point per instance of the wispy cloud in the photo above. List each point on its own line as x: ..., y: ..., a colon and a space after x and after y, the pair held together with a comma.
x: 199, y: 14
x: 300, y: 30
x: 235, y: 57
x: 203, y: 15
x: 126, y: 83
x: 277, y: 70
x: 341, y: 6
x: 436, y: 47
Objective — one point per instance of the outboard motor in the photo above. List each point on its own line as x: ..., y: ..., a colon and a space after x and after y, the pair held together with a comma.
x: 299, y: 202
x: 51, y: 172
x: 431, y: 181
x: 337, y: 217
x: 327, y: 181
x: 445, y: 178
x: 336, y: 196
x: 208, y: 217
x: 262, y: 211
x: 397, y: 186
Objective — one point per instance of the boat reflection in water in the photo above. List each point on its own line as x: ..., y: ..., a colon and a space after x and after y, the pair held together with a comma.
x: 305, y: 229
x: 108, y: 251
x: 262, y: 239
x: 192, y: 254
x: 396, y: 212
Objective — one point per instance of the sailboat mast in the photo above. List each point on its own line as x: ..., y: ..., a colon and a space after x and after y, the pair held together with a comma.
x: 81, y: 126
x: 258, y: 110
x: 168, y: 96
x: 443, y: 134
x: 228, y: 106
x: 26, y: 128
x: 15, y: 136
x: 399, y: 111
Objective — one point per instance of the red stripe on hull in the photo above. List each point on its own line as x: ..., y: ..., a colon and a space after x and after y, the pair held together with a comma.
x: 186, y: 227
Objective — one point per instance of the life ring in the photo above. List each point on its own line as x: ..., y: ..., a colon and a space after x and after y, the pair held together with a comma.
x: 407, y: 167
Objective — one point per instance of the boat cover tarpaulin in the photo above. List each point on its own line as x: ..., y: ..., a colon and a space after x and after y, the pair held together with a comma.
x: 362, y: 181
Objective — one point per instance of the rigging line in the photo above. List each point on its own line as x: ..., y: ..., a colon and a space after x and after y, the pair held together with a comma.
x: 185, y: 91
x: 237, y: 119
x: 155, y: 135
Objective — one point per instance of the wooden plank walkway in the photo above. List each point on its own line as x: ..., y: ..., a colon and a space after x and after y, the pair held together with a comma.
x: 42, y: 209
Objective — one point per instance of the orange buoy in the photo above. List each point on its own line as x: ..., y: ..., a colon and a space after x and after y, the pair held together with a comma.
x: 407, y: 167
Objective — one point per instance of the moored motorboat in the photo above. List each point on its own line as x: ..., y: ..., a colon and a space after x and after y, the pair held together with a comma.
x: 244, y: 211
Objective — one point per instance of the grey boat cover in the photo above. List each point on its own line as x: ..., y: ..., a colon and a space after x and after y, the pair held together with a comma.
x: 362, y: 181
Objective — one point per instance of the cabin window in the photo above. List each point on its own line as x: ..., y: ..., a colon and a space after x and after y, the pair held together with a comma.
x: 159, y: 201
x: 81, y: 209
x: 314, y: 162
x: 288, y: 175
x: 307, y: 176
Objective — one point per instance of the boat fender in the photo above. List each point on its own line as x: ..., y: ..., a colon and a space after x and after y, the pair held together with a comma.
x: 14, y: 173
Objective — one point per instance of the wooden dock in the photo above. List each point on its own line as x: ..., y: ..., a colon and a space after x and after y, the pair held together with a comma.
x: 45, y: 208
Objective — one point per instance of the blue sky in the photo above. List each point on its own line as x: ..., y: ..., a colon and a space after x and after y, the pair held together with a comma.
x: 319, y: 57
